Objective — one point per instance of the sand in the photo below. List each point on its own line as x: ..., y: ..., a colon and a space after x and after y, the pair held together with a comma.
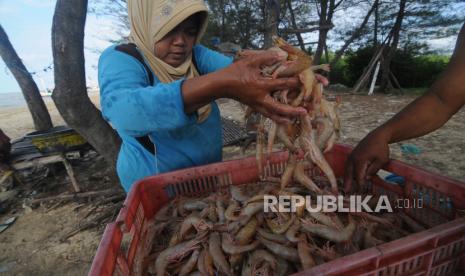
x: 17, y: 121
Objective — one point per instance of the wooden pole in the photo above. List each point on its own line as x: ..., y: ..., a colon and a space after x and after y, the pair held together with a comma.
x: 373, y: 81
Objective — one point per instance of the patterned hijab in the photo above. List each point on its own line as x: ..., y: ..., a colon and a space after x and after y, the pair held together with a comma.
x: 150, y: 21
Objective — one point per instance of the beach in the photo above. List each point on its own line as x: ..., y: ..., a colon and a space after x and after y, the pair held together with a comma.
x: 16, y: 120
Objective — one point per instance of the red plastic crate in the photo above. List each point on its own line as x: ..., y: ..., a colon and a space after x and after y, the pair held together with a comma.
x: 440, y: 250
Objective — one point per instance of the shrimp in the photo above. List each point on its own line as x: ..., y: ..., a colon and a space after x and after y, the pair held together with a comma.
x: 214, y: 248
x: 237, y: 193
x: 307, y: 78
x: 190, y: 264
x: 327, y: 220
x: 324, y: 67
x: 163, y: 213
x: 196, y: 222
x: 280, y: 250
x: 249, y: 211
x: 302, y: 178
x: 209, y: 263
x: 330, y: 233
x: 176, y: 253
x: 228, y: 246
x: 282, y: 267
x: 247, y: 232
x: 327, y: 252
x: 368, y: 239
x: 270, y: 236
x: 212, y: 215
x: 303, y: 250
x: 201, y: 263
x: 193, y: 205
x: 289, y: 171
x: 231, y: 210
x: 282, y: 135
x: 260, y: 145
x: 330, y: 143
x: 220, y: 212
x: 325, y: 130
x: 279, y: 228
x: 291, y: 233
x: 271, y: 137
x: 261, y: 255
x: 309, y: 146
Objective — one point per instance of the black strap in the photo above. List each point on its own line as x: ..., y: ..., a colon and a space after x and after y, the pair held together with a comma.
x: 131, y: 49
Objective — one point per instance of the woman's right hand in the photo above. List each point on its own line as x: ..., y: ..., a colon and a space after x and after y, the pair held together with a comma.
x: 245, y: 83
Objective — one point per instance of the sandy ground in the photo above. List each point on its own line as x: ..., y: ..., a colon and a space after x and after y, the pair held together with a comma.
x: 32, y: 244
x: 17, y: 121
x: 442, y: 151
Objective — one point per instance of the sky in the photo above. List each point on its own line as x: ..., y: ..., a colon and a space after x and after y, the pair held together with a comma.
x: 28, y: 24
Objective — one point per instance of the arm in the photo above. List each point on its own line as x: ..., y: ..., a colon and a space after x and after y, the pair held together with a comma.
x: 138, y: 109
x: 130, y: 105
x: 243, y: 81
x: 424, y: 115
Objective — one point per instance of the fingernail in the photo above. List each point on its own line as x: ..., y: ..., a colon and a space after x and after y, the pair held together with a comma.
x: 302, y: 110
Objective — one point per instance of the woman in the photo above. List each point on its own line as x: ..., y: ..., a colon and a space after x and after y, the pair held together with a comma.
x: 173, y: 122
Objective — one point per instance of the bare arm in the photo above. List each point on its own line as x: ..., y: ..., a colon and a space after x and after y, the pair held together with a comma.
x: 432, y: 110
x: 426, y: 114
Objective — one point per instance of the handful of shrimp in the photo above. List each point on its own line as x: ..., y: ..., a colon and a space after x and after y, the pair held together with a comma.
x: 314, y: 133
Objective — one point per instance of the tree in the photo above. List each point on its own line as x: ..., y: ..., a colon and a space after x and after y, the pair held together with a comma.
x: 35, y: 103
x: 271, y: 22
x: 355, y: 34
x: 389, y: 54
x: 70, y: 94
x: 326, y: 12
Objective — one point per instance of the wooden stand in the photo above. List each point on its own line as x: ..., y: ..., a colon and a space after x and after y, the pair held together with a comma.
x: 49, y: 159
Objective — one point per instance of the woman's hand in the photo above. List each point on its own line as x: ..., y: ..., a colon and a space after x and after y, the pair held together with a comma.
x: 370, y: 155
x: 245, y: 83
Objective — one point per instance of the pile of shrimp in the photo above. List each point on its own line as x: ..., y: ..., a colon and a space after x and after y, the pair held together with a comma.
x: 229, y: 232
x: 313, y: 133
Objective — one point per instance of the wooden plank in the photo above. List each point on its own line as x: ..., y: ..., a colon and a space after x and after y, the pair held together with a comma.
x: 40, y: 160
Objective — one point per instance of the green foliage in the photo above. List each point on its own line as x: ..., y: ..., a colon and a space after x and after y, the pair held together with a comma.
x: 411, y: 68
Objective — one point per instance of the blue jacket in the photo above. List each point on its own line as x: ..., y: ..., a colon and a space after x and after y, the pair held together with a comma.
x: 134, y: 109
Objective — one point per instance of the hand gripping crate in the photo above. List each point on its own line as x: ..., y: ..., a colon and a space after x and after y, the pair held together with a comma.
x: 440, y: 250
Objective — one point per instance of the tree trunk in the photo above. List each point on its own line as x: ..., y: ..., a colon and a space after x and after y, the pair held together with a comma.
x: 322, y: 33
x: 272, y: 16
x: 356, y: 34
x: 375, y: 35
x: 70, y: 94
x: 223, y: 17
x: 326, y: 17
x: 35, y: 103
x: 389, y: 54
x: 294, y: 25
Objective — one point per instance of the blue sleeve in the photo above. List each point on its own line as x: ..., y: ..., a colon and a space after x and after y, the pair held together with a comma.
x: 130, y: 104
x: 210, y: 61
